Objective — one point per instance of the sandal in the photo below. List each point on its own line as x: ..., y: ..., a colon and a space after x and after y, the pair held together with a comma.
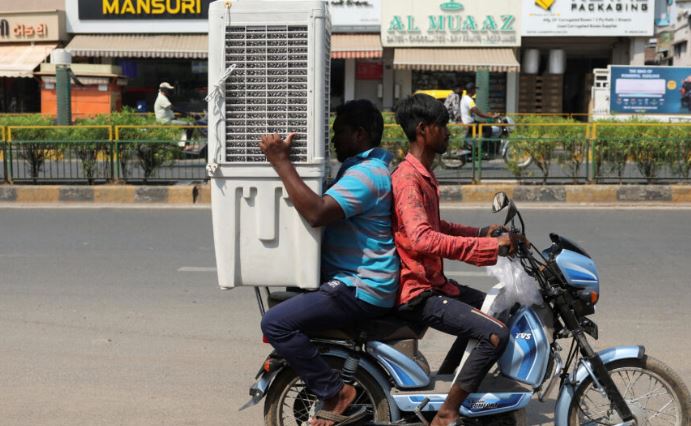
x: 341, y: 420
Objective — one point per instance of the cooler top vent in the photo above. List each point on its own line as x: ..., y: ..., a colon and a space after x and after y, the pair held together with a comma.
x: 267, y: 92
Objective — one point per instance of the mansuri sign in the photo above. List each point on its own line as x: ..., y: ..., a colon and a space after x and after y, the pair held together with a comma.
x: 411, y: 23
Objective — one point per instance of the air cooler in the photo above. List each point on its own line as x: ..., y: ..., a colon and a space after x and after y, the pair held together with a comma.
x: 268, y: 72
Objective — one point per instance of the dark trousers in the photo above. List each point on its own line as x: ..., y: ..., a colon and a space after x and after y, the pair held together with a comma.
x: 461, y: 316
x: 332, y: 306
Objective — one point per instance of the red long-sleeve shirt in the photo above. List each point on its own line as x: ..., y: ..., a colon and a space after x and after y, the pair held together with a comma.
x: 423, y: 239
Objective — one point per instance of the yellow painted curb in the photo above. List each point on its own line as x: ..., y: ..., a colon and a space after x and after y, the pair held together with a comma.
x: 203, y: 194
x: 681, y: 194
x: 591, y: 193
x: 114, y: 194
x: 38, y: 194
x: 180, y: 194
x: 484, y: 193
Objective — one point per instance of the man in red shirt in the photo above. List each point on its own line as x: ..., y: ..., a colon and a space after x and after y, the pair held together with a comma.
x: 423, y: 240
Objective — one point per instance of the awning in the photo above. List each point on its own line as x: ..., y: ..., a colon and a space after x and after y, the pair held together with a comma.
x: 20, y: 60
x: 193, y: 46
x: 355, y: 46
x: 437, y: 59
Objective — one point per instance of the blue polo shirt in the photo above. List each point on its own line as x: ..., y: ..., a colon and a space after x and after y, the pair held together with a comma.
x: 359, y: 251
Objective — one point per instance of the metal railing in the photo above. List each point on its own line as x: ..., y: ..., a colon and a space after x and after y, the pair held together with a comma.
x: 558, y: 152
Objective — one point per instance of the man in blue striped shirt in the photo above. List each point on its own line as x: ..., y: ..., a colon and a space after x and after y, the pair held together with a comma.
x: 359, y: 262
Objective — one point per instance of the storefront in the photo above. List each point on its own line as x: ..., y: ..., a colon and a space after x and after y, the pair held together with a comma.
x: 447, y: 44
x: 357, y: 67
x: 563, y: 41
x: 150, y: 43
x: 26, y: 40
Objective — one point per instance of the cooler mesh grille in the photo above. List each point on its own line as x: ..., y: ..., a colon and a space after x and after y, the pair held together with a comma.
x: 268, y: 91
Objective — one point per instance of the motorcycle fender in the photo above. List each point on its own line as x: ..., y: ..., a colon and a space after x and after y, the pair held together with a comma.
x: 617, y: 353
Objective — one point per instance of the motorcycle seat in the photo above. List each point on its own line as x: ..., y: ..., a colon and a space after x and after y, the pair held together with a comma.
x: 383, y: 329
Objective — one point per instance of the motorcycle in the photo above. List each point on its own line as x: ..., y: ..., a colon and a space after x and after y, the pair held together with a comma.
x: 620, y: 385
x: 193, y: 140
x: 495, y: 143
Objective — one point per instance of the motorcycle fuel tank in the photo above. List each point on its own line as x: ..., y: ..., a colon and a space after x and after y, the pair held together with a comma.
x: 527, y: 353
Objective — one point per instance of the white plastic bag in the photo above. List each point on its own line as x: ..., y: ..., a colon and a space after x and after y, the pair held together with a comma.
x: 519, y: 287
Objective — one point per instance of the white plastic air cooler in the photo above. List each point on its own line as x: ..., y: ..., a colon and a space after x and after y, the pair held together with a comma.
x: 280, y: 51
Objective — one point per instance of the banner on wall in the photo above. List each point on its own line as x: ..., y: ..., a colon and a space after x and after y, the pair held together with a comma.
x: 650, y: 90
x: 413, y: 23
x: 355, y: 13
x: 595, y: 18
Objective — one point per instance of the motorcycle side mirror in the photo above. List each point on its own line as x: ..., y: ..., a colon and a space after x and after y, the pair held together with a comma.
x: 501, y: 200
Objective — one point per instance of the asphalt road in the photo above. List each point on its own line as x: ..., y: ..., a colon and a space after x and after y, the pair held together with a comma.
x: 113, y: 317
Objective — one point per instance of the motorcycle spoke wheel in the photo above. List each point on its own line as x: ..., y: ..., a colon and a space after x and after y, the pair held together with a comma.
x: 654, y: 396
x: 290, y: 403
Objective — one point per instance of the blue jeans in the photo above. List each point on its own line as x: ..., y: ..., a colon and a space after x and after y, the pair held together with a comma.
x: 332, y: 306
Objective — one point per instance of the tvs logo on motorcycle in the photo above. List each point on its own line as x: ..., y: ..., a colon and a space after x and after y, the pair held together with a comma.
x: 545, y: 4
x: 524, y: 336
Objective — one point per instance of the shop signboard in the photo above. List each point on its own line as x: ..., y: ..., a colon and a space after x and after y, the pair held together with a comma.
x: 650, y: 90
x: 588, y: 18
x: 355, y: 14
x: 137, y: 16
x: 32, y: 27
x: 450, y: 23
x: 143, y: 9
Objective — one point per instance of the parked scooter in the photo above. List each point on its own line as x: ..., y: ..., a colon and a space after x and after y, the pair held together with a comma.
x: 616, y: 386
x: 495, y: 144
x: 194, y: 140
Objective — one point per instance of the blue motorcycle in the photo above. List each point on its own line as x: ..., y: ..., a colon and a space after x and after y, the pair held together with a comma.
x: 617, y: 386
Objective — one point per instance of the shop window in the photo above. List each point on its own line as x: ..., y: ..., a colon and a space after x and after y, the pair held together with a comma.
x: 429, y: 80
x: 680, y: 49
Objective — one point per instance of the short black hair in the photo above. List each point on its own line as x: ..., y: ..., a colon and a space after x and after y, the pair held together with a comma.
x: 361, y: 113
x: 417, y: 109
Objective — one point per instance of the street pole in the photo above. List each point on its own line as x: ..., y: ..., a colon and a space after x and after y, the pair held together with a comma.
x: 62, y: 60
x: 482, y: 81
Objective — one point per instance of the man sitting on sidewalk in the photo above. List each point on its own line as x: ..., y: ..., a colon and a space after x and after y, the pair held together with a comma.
x: 359, y: 262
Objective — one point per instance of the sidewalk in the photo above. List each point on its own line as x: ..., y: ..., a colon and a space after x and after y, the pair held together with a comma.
x: 200, y: 194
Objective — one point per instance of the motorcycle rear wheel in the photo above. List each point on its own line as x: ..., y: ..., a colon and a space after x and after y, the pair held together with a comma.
x: 452, y: 160
x: 289, y: 403
x: 655, y: 393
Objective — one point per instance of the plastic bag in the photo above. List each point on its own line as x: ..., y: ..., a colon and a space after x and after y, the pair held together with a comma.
x: 519, y: 287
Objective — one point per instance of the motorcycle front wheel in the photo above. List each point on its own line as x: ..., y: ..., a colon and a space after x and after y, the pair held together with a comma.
x: 290, y: 403
x: 520, y: 157
x: 655, y: 394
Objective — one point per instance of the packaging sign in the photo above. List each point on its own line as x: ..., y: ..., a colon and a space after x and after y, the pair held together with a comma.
x: 593, y: 18
x: 410, y: 23
x: 355, y: 13
x: 650, y: 90
x: 143, y: 9
x: 34, y: 27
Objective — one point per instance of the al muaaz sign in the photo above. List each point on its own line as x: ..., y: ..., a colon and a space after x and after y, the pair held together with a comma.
x: 409, y: 23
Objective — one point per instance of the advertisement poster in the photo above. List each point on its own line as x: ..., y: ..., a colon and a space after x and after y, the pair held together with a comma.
x: 650, y: 90
x: 588, y: 18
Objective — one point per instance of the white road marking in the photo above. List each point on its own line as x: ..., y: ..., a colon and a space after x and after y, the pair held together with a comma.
x: 197, y: 269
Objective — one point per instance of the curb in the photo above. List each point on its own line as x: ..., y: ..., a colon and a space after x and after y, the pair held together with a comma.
x: 201, y: 194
